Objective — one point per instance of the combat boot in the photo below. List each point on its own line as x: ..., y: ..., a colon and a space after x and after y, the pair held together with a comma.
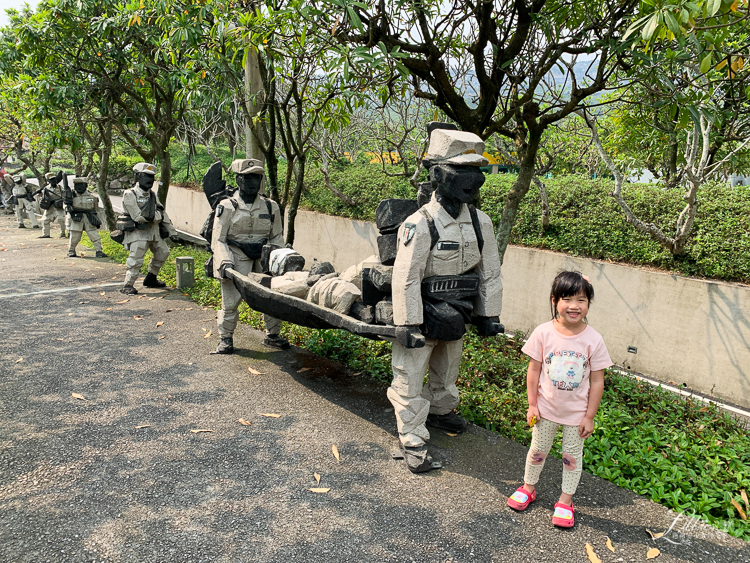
x: 72, y: 254
x: 276, y: 341
x: 63, y: 235
x: 450, y: 422
x: 128, y: 290
x: 225, y: 346
x: 36, y: 227
x: 21, y: 226
x: 44, y: 236
x: 100, y: 254
x: 418, y: 459
x: 151, y: 281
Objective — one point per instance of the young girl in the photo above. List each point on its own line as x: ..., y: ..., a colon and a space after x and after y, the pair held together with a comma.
x: 565, y: 381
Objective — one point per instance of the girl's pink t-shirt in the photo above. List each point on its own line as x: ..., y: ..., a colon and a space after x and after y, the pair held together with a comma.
x: 567, y: 362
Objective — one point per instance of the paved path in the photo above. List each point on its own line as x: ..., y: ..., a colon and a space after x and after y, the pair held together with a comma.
x: 120, y: 477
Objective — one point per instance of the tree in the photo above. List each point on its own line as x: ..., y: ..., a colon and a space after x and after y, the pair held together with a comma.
x: 506, y: 67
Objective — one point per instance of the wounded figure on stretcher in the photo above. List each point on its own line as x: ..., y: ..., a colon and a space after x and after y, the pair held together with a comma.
x: 359, y: 299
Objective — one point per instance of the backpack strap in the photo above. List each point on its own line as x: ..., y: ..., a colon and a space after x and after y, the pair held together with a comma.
x: 477, y: 227
x: 269, y: 207
x: 434, y: 234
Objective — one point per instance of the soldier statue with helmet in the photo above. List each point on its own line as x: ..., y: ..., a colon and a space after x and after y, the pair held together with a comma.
x: 242, y: 225
x: 446, y: 275
x: 52, y: 204
x: 145, y: 224
x: 82, y: 208
x: 24, y: 201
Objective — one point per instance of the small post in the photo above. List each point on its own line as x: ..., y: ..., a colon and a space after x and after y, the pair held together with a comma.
x: 185, y: 271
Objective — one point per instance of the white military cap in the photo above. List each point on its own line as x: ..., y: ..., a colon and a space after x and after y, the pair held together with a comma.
x: 247, y: 166
x: 145, y: 167
x: 80, y: 180
x: 456, y: 147
x: 49, y: 175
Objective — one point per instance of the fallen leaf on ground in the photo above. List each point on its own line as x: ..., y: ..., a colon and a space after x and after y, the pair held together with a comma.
x: 319, y: 489
x: 592, y: 556
x: 208, y: 320
x: 317, y: 478
x: 244, y: 422
x: 19, y: 360
x: 451, y: 434
x: 70, y: 314
x: 78, y: 396
x: 653, y: 535
x: 108, y: 309
x: 743, y: 494
x: 269, y: 414
x: 102, y: 293
x: 254, y: 371
x: 335, y: 451
x: 199, y: 430
x: 82, y: 302
x: 159, y: 323
x: 162, y: 337
x: 209, y: 333
x: 652, y: 553
x: 204, y: 329
x: 739, y: 509
x: 169, y: 310
x: 138, y: 317
x: 188, y: 308
x: 114, y: 278
x: 610, y: 546
x: 704, y: 409
x: 121, y: 302
x: 190, y: 363
x: 142, y: 426
x: 60, y: 339
x: 151, y: 298
x: 303, y: 370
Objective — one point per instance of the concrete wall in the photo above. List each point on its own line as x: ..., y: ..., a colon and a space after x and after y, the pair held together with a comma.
x: 187, y: 209
x: 685, y: 330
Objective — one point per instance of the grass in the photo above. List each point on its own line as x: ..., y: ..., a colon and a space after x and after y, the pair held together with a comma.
x: 678, y: 452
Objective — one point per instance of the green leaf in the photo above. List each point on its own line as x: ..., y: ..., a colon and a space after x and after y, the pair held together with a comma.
x: 356, y: 22
x: 712, y: 6
x: 706, y: 63
x: 672, y: 24
x: 650, y: 27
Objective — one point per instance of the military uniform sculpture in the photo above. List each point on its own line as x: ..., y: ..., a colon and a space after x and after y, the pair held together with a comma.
x: 23, y: 200
x: 52, y: 205
x: 244, y: 223
x: 446, y: 274
x: 82, y: 209
x: 6, y: 186
x: 148, y: 226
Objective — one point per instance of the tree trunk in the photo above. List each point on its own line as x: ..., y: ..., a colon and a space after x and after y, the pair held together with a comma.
x: 78, y: 162
x: 103, y: 181
x: 292, y: 215
x: 165, y: 161
x: 517, y: 193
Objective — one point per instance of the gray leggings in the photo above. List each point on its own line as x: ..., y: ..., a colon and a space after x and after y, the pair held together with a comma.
x: 542, y: 437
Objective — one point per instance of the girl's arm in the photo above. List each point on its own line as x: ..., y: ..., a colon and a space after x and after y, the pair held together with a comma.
x: 596, y: 391
x: 532, y: 389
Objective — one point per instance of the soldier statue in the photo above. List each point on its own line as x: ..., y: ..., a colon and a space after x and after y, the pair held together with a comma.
x: 148, y: 226
x: 243, y: 224
x: 82, y: 208
x: 24, y: 201
x: 446, y: 275
x: 52, y: 204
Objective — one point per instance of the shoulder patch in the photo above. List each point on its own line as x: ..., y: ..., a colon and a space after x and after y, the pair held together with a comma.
x: 409, y: 230
x: 219, y: 210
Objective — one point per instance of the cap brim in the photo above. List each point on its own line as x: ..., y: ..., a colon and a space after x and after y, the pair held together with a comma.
x: 252, y: 170
x: 463, y: 160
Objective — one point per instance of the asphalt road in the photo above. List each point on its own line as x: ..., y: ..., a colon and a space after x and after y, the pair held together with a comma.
x: 119, y: 474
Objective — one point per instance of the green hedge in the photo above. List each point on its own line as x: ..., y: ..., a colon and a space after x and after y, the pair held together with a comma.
x: 585, y: 220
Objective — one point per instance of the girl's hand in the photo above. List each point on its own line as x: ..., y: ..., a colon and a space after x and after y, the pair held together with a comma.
x: 586, y: 427
x: 531, y: 413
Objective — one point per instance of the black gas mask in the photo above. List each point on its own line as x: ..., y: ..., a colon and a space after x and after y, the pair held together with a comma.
x: 145, y: 181
x: 80, y: 187
x: 249, y: 186
x: 456, y: 185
